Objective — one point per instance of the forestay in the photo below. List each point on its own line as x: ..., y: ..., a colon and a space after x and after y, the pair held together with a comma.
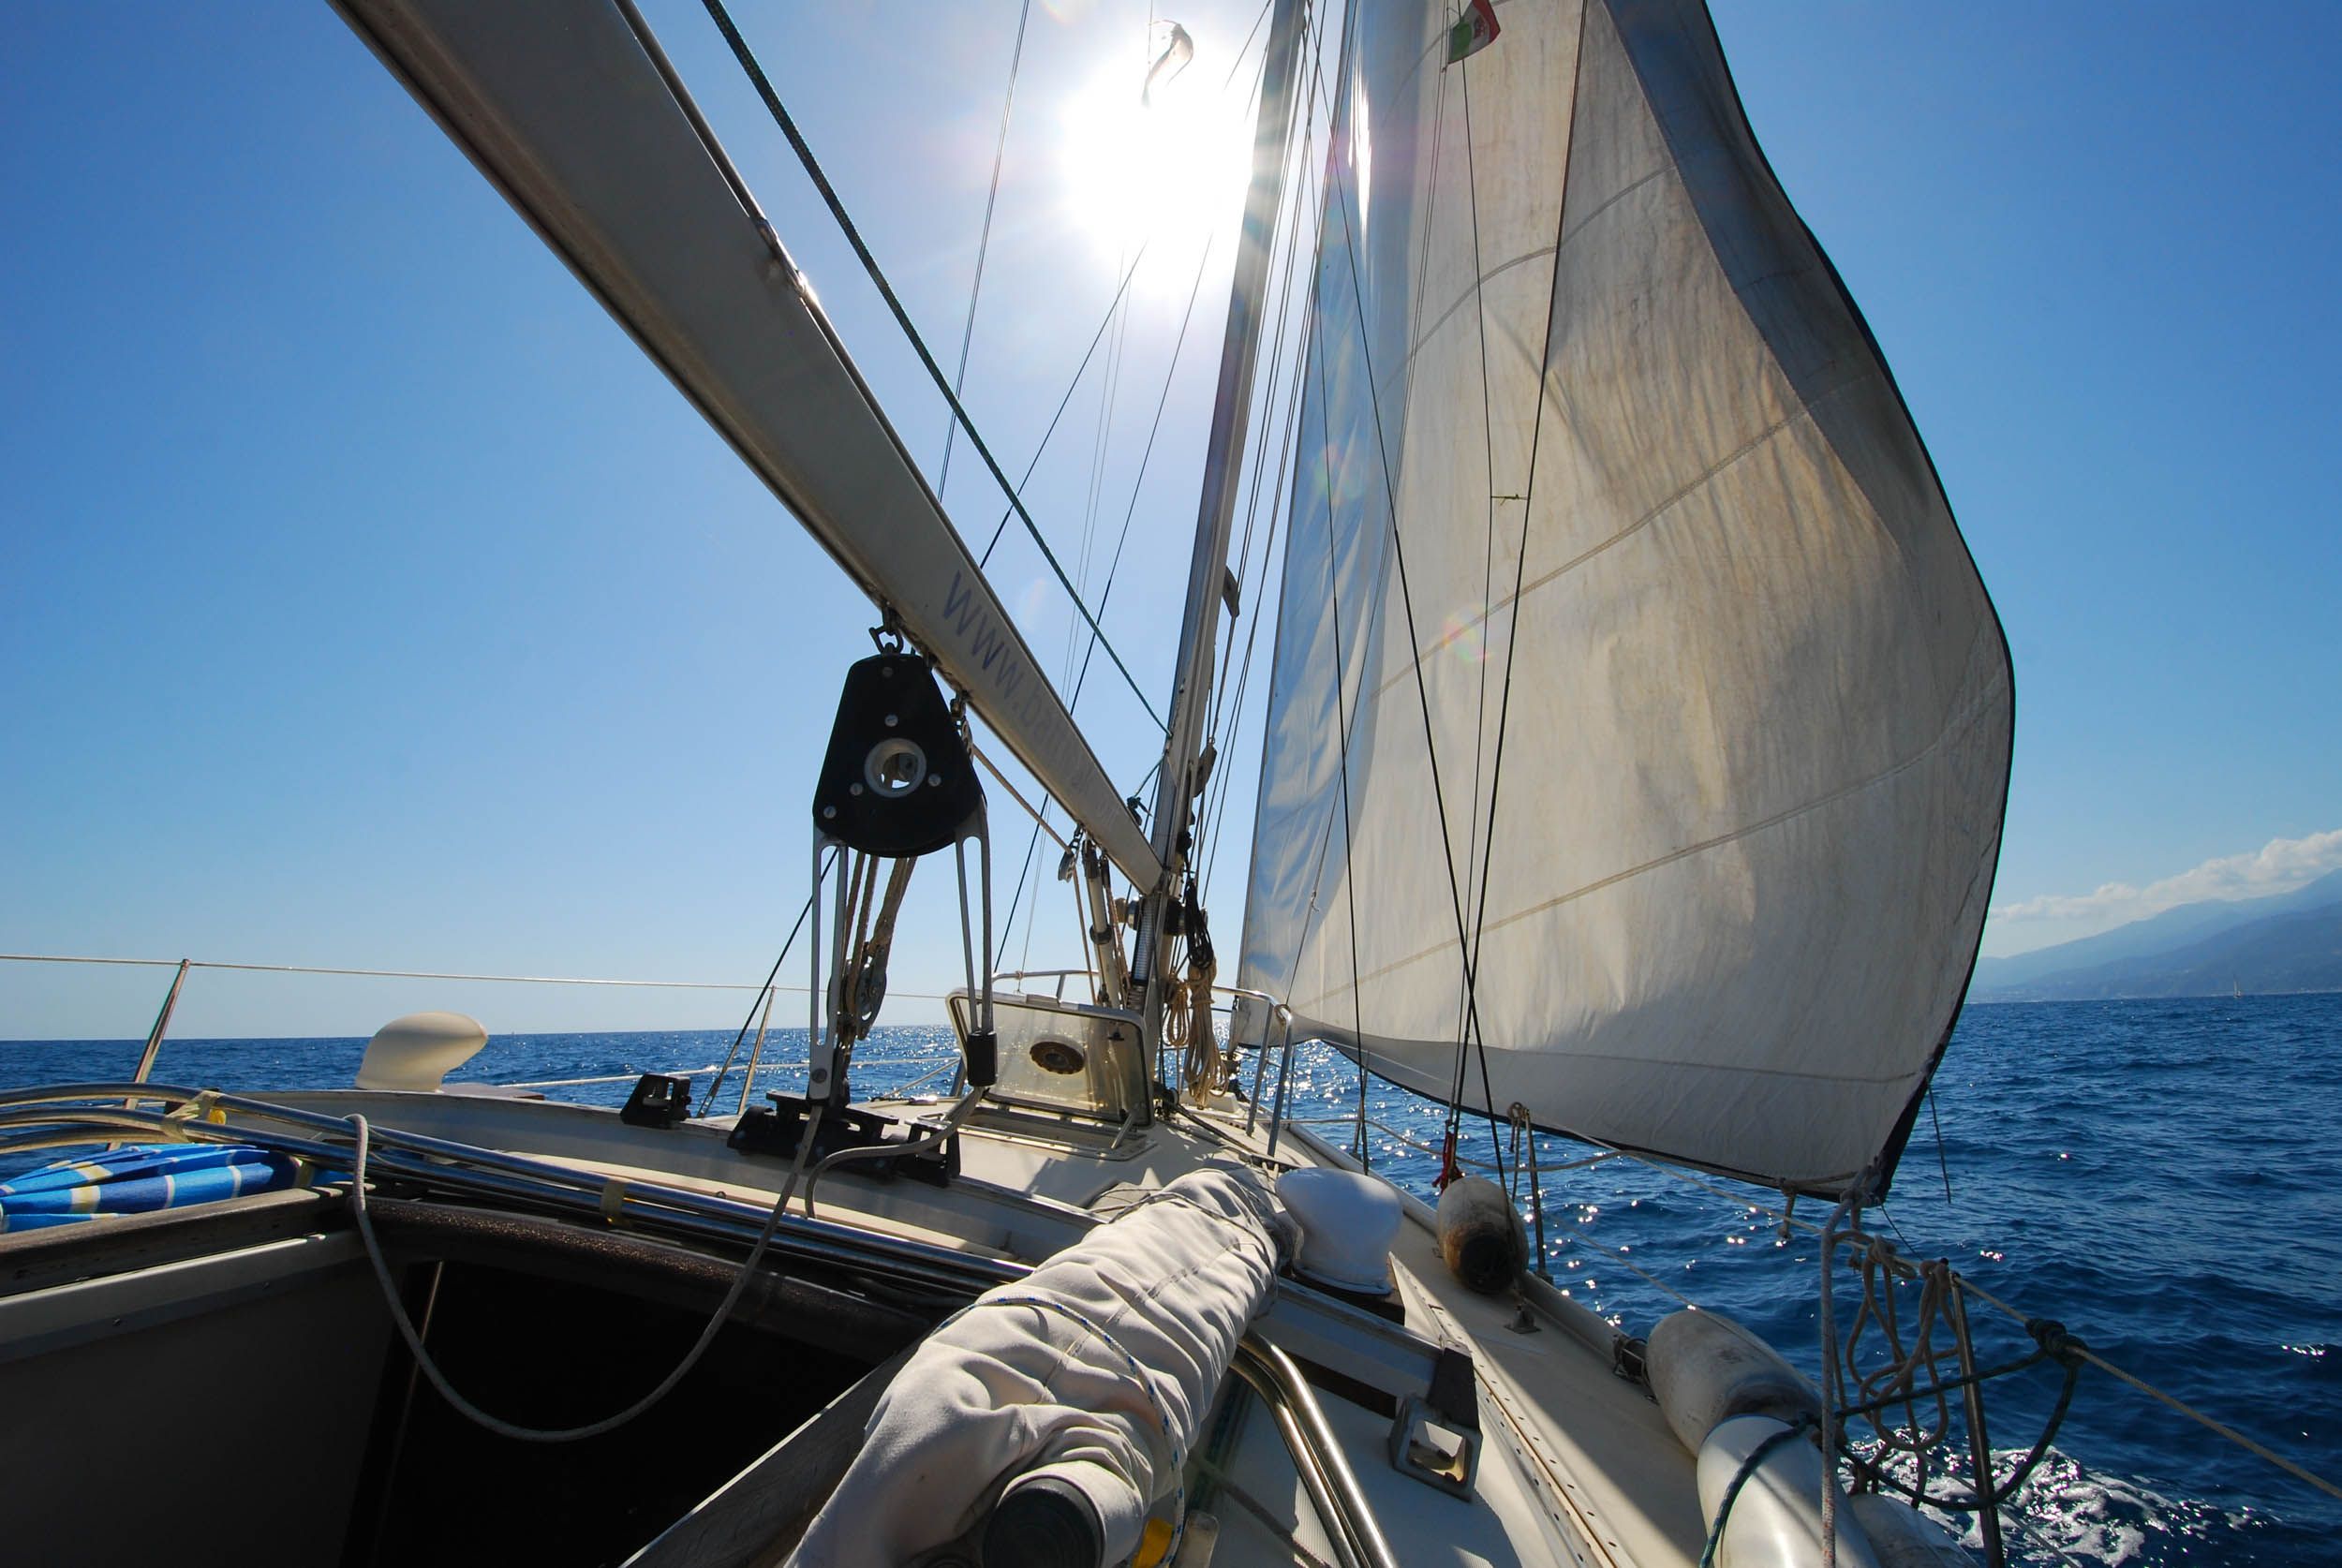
x: 1674, y: 638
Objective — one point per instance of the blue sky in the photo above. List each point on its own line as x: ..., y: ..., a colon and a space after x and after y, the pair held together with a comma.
x: 366, y: 599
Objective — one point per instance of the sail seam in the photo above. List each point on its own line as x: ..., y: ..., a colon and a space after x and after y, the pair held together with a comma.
x: 1958, y: 723
x: 1759, y: 439
x: 1498, y: 270
x: 1304, y: 1021
x: 1478, y: 283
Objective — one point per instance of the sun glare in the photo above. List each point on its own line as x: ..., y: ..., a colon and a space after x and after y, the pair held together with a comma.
x: 1172, y: 171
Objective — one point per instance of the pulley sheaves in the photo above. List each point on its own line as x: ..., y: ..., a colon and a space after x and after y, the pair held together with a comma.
x: 897, y: 779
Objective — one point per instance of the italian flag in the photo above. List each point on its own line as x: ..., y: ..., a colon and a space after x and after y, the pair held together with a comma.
x: 1473, y: 33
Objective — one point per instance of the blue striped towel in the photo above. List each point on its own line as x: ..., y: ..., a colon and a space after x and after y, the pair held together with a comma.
x: 136, y: 1180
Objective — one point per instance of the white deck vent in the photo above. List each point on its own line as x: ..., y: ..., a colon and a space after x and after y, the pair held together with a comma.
x: 416, y: 1052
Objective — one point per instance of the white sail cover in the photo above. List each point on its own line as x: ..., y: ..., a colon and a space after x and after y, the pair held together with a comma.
x: 1720, y: 765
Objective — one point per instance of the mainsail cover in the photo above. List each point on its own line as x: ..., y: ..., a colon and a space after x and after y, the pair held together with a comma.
x: 1628, y: 651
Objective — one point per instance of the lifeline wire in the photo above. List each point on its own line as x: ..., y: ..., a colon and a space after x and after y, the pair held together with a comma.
x: 1114, y: 566
x: 2330, y: 1488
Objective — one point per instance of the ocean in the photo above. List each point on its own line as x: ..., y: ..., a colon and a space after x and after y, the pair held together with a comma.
x: 2163, y: 1177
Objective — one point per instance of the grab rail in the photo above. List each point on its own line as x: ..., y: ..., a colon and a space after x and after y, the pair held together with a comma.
x: 1317, y: 1456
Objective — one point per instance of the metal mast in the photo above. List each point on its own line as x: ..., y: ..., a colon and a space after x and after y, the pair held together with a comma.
x: 1199, y: 627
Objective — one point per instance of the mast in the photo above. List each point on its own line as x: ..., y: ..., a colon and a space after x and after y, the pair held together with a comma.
x: 1216, y: 508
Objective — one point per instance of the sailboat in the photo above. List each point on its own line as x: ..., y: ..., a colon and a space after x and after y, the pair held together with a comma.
x: 1688, y: 861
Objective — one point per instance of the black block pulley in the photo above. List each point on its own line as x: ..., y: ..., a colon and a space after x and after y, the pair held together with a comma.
x: 897, y: 780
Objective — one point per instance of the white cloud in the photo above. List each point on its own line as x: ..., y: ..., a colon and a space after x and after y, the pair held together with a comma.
x: 2279, y: 866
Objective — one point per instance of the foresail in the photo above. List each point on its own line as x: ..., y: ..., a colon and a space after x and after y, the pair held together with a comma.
x: 572, y: 112
x: 1672, y: 702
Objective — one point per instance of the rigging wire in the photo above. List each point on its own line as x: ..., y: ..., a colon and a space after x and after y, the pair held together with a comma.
x: 1512, y: 643
x: 1138, y: 488
x: 1488, y: 454
x: 764, y: 992
x: 762, y: 83
x: 1341, y: 723
x: 1313, y: 204
x: 1071, y: 387
x: 1108, y: 395
x: 1305, y: 209
x: 984, y: 242
x: 1423, y: 699
x: 1224, y: 783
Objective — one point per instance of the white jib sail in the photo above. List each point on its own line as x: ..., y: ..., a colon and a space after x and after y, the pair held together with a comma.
x: 1720, y: 765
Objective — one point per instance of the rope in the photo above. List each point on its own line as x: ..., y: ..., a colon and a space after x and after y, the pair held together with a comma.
x: 1757, y: 1457
x: 952, y: 1121
x: 902, y: 318
x: 1833, y: 1390
x: 2295, y: 1471
x: 430, y: 1369
x: 1893, y: 1381
x: 1205, y: 1070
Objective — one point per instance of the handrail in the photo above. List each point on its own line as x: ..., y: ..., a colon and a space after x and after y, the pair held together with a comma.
x: 1317, y: 1454
x: 495, y: 1173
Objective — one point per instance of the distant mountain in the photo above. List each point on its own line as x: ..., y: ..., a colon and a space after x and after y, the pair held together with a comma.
x: 2290, y: 942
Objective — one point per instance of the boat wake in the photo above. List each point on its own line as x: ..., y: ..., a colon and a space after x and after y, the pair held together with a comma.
x: 2068, y: 1513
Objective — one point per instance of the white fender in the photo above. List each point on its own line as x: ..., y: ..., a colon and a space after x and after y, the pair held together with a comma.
x: 1705, y: 1368
x: 1775, y: 1520
x: 1906, y: 1538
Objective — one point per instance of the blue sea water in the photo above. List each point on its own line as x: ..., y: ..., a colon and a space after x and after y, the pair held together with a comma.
x: 2161, y: 1177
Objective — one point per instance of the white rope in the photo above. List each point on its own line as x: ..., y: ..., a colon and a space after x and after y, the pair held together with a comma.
x: 1883, y: 1268
x: 1833, y: 1395
x: 568, y: 1434
x: 1187, y: 1029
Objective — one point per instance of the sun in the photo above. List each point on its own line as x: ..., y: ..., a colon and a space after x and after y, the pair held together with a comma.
x: 1168, y: 172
